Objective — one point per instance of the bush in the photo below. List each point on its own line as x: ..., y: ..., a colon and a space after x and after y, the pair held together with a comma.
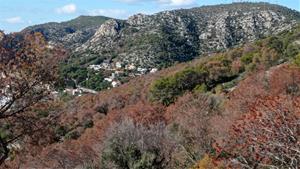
x: 88, y: 124
x: 136, y: 147
x: 276, y: 43
x: 205, y: 163
x: 43, y: 113
x: 247, y: 58
x: 102, y: 109
x: 292, y: 50
x: 166, y: 90
x: 297, y: 60
x: 72, y: 135
x: 201, y: 88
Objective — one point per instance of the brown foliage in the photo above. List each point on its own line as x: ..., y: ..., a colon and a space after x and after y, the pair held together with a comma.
x: 268, y: 136
x: 190, y: 126
x: 28, y: 71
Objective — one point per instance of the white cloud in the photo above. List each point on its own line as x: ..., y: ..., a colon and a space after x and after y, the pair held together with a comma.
x: 67, y: 9
x: 177, y: 2
x: 164, y: 2
x: 14, y: 20
x: 131, y: 1
x: 115, y: 13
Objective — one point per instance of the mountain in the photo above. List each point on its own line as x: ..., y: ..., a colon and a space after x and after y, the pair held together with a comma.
x: 161, y: 39
x: 161, y: 120
x: 72, y: 33
x: 174, y: 36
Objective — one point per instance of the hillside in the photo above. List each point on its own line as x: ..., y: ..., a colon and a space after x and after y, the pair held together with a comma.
x: 194, y: 106
x: 214, y: 87
x: 121, y: 49
x: 71, y: 33
x: 164, y: 38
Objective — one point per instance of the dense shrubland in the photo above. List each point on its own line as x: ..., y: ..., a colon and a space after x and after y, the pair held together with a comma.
x: 221, y: 69
x: 205, y: 115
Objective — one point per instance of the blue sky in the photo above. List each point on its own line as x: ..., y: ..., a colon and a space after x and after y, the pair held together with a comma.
x: 17, y: 14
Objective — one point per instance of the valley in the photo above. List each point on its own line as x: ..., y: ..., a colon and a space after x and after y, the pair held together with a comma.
x: 211, y: 87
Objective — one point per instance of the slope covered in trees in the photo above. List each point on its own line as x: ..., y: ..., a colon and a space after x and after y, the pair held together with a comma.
x: 146, y: 42
x: 235, y: 109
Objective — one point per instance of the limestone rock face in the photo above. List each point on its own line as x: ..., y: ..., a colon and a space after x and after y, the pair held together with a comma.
x: 180, y: 35
x: 109, y: 28
x: 70, y: 34
x: 138, y: 19
x: 175, y: 36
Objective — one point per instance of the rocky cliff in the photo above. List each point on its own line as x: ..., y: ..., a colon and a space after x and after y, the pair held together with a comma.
x: 174, y: 36
x: 70, y: 34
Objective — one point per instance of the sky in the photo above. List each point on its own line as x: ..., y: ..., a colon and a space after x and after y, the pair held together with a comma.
x: 18, y: 14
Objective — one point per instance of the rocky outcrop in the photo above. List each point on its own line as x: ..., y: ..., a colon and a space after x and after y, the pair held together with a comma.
x: 173, y: 36
x: 70, y: 34
x: 180, y: 35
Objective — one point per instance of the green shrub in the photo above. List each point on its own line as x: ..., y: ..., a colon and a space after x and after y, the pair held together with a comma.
x: 247, y: 58
x: 201, y: 88
x: 276, y: 43
x: 60, y: 132
x: 72, y: 135
x: 189, y: 78
x: 297, y: 60
x: 43, y: 113
x: 88, y: 124
x: 219, y: 89
x: 166, y: 90
x: 133, y: 146
x: 102, y: 109
x: 292, y: 50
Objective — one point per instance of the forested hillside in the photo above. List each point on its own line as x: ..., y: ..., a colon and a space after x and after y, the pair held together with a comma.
x: 121, y: 49
x: 213, y: 87
x: 225, y: 110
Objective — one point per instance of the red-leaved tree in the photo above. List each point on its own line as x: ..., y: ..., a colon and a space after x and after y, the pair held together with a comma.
x: 268, y: 136
x: 27, y: 76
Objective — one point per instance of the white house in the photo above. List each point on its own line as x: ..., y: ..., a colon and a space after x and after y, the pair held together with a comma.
x: 95, y: 67
x: 118, y: 65
x: 108, y: 79
x: 131, y: 67
x: 142, y: 70
x: 153, y: 70
x: 115, y: 83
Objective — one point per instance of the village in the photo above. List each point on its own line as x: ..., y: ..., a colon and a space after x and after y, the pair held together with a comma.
x: 117, y: 70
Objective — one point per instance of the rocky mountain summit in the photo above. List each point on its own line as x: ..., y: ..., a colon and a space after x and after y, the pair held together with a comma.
x: 174, y: 36
x: 70, y: 34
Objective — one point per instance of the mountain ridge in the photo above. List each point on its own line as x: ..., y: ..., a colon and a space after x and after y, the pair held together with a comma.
x: 197, y: 30
x: 145, y: 42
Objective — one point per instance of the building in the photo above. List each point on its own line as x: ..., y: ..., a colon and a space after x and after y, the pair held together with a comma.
x: 73, y: 92
x: 95, y: 67
x: 153, y: 70
x: 108, y: 79
x: 130, y: 67
x: 142, y: 70
x: 118, y: 65
x: 115, y: 83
